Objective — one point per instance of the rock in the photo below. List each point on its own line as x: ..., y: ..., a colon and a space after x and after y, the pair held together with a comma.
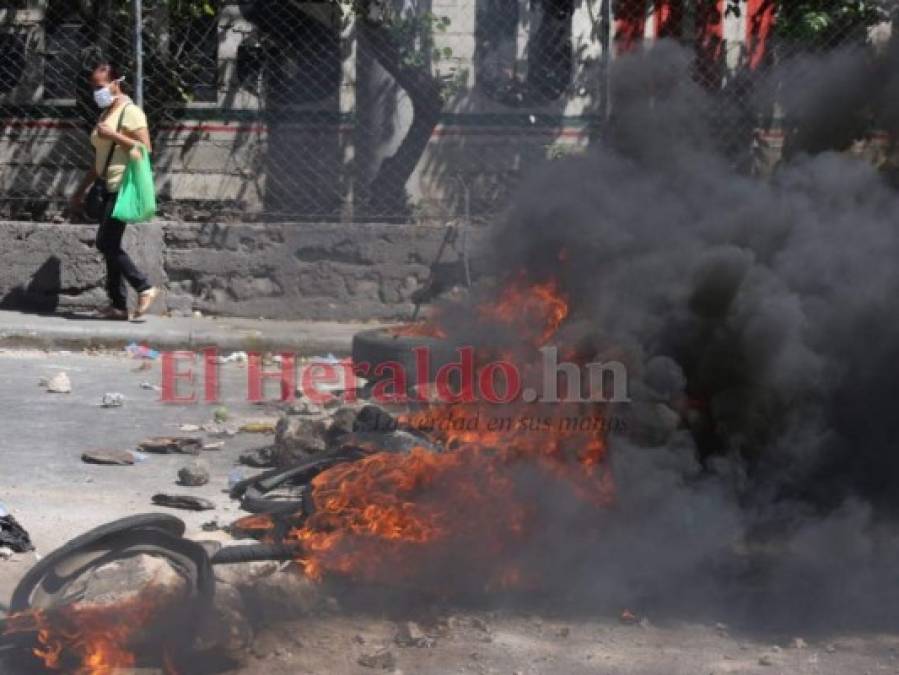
x: 220, y: 430
x: 305, y: 407
x: 479, y: 624
x: 126, y: 578
x: 410, y: 634
x: 374, y: 418
x: 189, y: 428
x: 628, y: 618
x: 831, y: 648
x: 721, y: 628
x: 168, y: 445
x: 212, y: 447
x: 194, y: 474
x: 108, y: 457
x: 59, y: 384
x: 765, y: 661
x: 6, y: 553
x: 799, y: 643
x: 112, y: 400
x: 383, y: 660
x: 259, y: 458
x: 296, y: 438
x: 343, y: 421
x: 564, y: 632
x: 185, y: 502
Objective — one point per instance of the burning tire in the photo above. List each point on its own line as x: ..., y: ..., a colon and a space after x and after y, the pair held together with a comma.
x: 59, y: 587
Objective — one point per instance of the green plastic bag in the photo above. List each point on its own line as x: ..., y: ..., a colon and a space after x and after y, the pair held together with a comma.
x: 137, y: 194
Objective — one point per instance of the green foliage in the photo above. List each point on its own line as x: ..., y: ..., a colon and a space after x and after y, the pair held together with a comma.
x: 823, y: 22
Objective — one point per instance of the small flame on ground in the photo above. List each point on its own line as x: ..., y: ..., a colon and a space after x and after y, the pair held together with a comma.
x: 95, y: 637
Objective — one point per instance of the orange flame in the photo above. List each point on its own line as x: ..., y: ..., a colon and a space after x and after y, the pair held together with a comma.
x: 94, y: 636
x: 391, y: 518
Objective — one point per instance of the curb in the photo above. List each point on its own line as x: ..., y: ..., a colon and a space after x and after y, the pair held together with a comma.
x: 303, y: 339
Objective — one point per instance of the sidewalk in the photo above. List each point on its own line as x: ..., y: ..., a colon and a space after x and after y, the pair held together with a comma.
x: 80, y: 331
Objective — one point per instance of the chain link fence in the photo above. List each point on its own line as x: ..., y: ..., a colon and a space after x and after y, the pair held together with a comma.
x: 398, y: 110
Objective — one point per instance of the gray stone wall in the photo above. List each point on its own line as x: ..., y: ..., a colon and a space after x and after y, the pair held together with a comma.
x: 287, y: 271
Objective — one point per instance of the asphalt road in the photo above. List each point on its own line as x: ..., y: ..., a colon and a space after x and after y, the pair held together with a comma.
x: 55, y: 495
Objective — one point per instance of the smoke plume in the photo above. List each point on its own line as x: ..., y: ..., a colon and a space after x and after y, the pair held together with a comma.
x: 761, y: 311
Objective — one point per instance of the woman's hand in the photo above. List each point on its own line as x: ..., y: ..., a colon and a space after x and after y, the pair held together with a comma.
x: 135, y: 152
x: 105, y: 130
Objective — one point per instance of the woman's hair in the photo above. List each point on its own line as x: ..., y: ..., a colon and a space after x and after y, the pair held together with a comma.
x: 111, y: 70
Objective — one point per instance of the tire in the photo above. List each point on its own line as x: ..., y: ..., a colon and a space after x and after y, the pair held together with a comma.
x: 380, y: 346
x: 45, y: 585
x: 157, y: 521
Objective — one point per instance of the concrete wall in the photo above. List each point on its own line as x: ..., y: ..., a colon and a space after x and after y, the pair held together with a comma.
x: 310, y: 271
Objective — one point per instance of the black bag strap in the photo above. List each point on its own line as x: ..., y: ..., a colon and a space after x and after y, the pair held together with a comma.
x: 112, y: 149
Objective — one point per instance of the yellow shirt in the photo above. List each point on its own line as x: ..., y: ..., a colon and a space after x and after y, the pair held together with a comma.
x: 133, y: 120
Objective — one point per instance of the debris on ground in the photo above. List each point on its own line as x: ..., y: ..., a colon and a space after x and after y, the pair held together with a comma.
x: 220, y: 415
x: 234, y: 357
x: 59, y: 384
x: 112, y: 400
x: 628, y: 618
x: 297, y: 438
x: 189, y: 428
x: 194, y: 474
x: 305, y: 407
x: 136, y: 351
x: 383, y: 660
x: 799, y: 643
x: 219, y: 430
x: 13, y: 535
x: 149, y: 386
x: 186, y: 502
x: 766, y: 660
x: 172, y: 445
x: 109, y: 457
x: 6, y: 553
x: 410, y: 634
x: 212, y: 447
x: 258, y: 427
x: 259, y: 458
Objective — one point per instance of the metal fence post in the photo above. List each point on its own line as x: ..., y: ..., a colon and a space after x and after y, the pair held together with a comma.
x: 137, y: 6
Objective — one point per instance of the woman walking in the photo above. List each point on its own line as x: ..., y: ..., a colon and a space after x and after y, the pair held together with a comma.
x: 120, y: 132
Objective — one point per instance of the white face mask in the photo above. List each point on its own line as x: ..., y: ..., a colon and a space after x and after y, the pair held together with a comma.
x: 103, y: 97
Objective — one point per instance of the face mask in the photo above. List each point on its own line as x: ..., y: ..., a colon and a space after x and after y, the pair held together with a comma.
x: 103, y: 97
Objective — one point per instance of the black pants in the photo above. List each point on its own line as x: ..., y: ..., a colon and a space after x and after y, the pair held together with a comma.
x: 119, y: 266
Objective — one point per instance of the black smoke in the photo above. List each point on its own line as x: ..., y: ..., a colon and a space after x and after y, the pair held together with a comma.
x: 761, y: 314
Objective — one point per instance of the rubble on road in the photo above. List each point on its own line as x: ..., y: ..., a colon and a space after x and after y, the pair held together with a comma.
x: 260, y: 458
x: 13, y: 535
x: 410, y: 634
x: 170, y: 445
x: 194, y: 474
x: 112, y: 400
x: 186, y: 502
x: 109, y: 457
x: 298, y: 438
x: 383, y: 660
x: 59, y: 384
x: 258, y: 427
x: 628, y: 618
